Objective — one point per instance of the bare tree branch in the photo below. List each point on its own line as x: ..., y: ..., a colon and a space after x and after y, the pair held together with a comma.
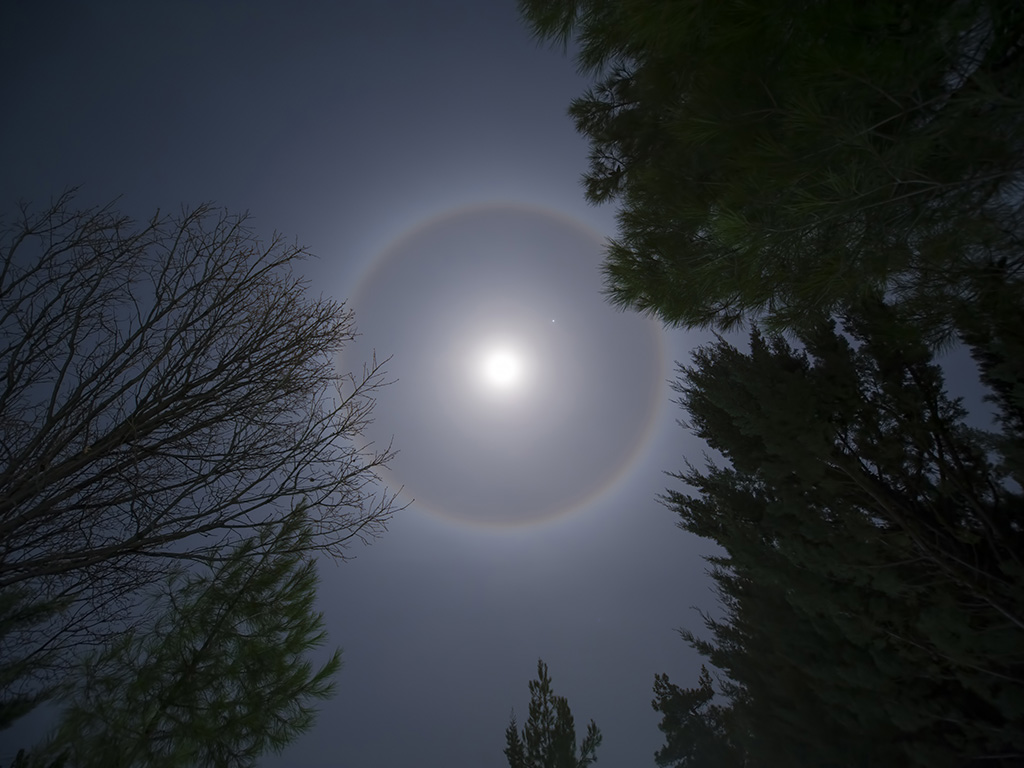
x: 165, y: 389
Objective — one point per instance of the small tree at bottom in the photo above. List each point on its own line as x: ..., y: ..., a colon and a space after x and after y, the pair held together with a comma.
x: 549, y: 736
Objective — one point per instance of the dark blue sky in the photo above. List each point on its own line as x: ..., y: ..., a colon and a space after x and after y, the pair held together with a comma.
x: 422, y: 150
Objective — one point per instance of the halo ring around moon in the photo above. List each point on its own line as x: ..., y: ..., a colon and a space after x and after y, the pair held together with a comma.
x: 491, y: 272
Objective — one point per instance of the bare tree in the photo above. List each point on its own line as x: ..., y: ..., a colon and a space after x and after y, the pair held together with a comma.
x: 167, y: 389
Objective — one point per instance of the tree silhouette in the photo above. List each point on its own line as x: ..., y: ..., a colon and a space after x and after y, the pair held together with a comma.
x: 696, y: 730
x: 220, y: 677
x: 167, y: 390
x: 774, y: 159
x: 549, y: 736
x: 871, y: 580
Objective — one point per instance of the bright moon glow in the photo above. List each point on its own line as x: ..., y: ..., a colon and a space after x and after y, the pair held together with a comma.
x: 502, y: 369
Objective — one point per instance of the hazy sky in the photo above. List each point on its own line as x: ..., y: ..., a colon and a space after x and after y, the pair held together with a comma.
x: 422, y: 150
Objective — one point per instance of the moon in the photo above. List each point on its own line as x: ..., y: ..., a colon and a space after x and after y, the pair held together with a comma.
x: 501, y: 369
x: 519, y: 394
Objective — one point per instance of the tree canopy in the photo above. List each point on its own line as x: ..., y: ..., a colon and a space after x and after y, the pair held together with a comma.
x: 220, y: 676
x: 872, y: 580
x: 697, y: 731
x: 168, y: 389
x: 771, y: 160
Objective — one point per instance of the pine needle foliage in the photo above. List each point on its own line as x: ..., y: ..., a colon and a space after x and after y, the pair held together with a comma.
x: 871, y: 583
x: 548, y: 738
x: 775, y: 158
x: 222, y: 676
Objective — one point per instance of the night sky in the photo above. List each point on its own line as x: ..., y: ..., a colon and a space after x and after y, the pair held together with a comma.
x: 421, y: 149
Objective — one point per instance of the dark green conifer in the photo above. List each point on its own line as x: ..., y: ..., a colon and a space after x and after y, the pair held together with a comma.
x: 222, y: 675
x: 549, y: 735
x: 774, y: 159
x: 871, y: 581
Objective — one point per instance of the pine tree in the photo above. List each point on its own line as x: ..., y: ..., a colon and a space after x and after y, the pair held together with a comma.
x: 21, y: 612
x: 549, y: 736
x: 696, y: 730
x: 872, y: 579
x: 223, y: 674
x: 773, y: 158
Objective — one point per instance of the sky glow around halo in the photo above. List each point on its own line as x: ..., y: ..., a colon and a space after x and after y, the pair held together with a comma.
x: 517, y: 419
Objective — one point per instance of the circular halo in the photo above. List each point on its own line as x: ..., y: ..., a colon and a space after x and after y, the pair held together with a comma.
x: 521, y: 395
